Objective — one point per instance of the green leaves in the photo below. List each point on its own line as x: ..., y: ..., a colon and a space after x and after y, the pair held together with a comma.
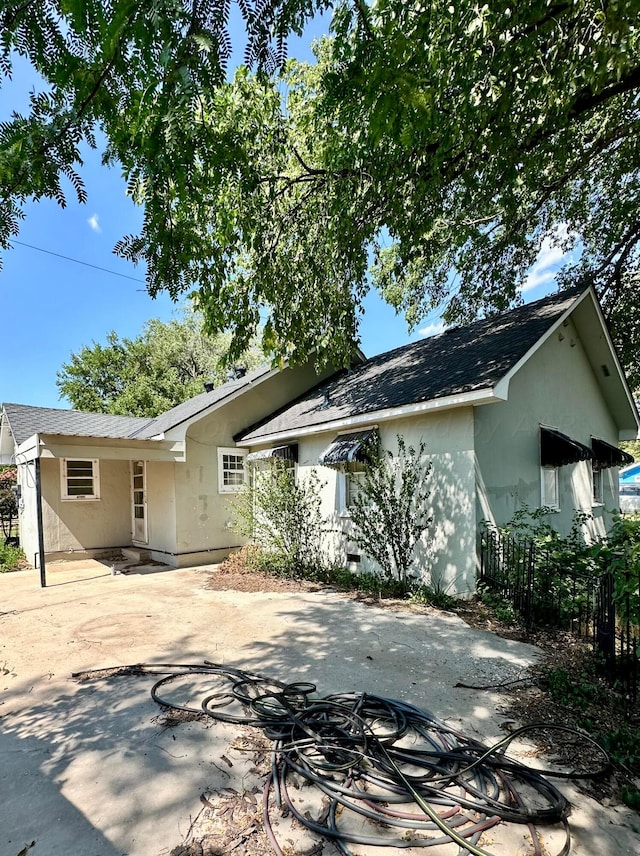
x: 163, y: 366
x: 283, y: 515
x: 443, y: 145
x: 390, y: 513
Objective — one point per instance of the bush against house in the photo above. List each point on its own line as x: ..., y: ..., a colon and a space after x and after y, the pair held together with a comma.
x: 562, y: 572
x: 390, y: 513
x: 283, y: 516
x: 11, y: 556
x: 8, y: 504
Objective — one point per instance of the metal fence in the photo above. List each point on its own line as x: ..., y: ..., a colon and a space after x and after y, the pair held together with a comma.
x: 544, y: 592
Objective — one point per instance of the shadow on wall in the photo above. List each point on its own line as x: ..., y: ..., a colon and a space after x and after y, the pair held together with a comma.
x: 445, y: 557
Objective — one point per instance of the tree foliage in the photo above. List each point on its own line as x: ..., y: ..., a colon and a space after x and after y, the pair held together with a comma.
x: 632, y: 447
x: 448, y: 142
x: 8, y: 504
x: 390, y: 512
x: 163, y: 366
x: 283, y: 515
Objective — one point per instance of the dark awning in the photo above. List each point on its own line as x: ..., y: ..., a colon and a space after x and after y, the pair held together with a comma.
x: 347, y: 448
x: 605, y: 455
x: 285, y: 453
x: 558, y: 450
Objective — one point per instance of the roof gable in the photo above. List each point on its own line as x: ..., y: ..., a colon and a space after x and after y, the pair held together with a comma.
x: 199, y: 404
x: 459, y: 362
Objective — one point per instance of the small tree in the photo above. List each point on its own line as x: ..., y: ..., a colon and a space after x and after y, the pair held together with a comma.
x: 390, y: 512
x: 283, y: 515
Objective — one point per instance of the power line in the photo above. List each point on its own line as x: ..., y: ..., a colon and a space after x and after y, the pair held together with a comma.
x: 77, y: 261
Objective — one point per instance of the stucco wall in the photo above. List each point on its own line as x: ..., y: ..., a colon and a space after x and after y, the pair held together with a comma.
x: 88, y: 524
x: 203, y: 514
x: 446, y: 555
x: 556, y: 388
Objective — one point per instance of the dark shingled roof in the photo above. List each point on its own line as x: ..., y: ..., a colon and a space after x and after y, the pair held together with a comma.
x: 458, y: 361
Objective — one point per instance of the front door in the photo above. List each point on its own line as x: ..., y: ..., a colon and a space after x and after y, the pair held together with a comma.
x: 139, y: 501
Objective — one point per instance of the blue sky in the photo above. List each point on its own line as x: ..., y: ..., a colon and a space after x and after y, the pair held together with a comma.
x: 52, y: 306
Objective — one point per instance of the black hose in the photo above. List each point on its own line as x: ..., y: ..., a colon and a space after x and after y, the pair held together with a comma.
x: 394, y: 765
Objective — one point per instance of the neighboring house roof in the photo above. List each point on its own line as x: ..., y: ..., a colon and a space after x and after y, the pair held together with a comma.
x: 459, y: 361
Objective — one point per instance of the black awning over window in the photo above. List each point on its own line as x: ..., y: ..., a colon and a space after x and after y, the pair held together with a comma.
x: 558, y: 450
x: 285, y: 453
x: 605, y: 455
x: 347, y: 448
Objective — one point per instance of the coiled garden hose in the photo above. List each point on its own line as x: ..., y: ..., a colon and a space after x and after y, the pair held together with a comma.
x: 411, y: 779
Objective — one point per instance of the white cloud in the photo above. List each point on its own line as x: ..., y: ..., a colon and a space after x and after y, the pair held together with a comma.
x: 432, y: 329
x: 544, y: 270
x: 93, y: 222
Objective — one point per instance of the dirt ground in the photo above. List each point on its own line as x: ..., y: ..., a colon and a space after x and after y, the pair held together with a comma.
x: 95, y: 767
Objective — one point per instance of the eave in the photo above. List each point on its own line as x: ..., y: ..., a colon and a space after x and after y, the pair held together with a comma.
x: 115, y: 449
x: 466, y: 399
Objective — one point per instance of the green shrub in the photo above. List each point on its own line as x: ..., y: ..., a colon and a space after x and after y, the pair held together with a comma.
x: 620, y: 554
x: 283, y: 516
x: 390, y: 513
x: 431, y: 595
x: 631, y: 797
x: 577, y: 689
x: 565, y: 567
x: 11, y: 558
x: 623, y: 744
x: 501, y: 606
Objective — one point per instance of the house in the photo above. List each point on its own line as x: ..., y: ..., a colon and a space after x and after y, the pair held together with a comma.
x: 100, y: 483
x: 527, y: 407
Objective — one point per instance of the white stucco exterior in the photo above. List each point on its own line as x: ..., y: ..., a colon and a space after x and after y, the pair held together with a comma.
x: 556, y: 388
x: 446, y: 554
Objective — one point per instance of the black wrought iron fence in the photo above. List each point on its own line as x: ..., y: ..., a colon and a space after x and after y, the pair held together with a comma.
x: 545, y: 591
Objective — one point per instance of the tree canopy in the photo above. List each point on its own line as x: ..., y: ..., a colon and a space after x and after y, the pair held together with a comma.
x: 432, y: 149
x: 163, y: 366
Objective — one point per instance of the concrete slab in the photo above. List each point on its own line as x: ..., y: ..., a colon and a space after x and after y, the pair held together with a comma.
x: 88, y: 768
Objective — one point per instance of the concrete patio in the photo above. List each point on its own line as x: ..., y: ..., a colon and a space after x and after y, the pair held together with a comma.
x: 87, y: 768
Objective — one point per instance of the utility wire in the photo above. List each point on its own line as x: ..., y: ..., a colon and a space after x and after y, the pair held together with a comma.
x: 77, y: 261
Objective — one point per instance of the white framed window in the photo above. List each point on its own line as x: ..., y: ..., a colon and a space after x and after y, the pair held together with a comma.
x: 354, y: 482
x: 597, y: 479
x: 549, y: 487
x: 79, y: 478
x: 231, y: 470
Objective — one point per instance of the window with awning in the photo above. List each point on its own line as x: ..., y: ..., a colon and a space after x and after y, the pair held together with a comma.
x: 606, y: 455
x: 283, y: 453
x: 559, y: 450
x: 350, y: 448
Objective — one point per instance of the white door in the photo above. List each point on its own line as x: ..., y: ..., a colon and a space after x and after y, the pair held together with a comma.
x: 139, y: 501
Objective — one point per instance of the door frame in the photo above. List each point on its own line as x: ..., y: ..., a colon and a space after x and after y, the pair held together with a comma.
x: 134, y: 505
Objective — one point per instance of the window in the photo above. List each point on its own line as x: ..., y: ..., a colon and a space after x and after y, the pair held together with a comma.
x: 79, y: 479
x: 597, y: 480
x: 231, y: 470
x: 549, y: 487
x: 354, y: 482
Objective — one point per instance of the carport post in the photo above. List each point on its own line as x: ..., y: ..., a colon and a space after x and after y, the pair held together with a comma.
x: 43, y: 577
